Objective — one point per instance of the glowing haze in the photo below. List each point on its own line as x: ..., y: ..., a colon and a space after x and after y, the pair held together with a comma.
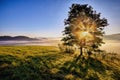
x: 45, y: 18
x: 83, y: 27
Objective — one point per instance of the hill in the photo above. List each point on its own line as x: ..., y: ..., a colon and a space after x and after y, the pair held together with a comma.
x: 112, y: 37
x: 16, y: 38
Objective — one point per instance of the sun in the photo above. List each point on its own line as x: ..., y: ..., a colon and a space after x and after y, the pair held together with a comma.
x: 84, y: 34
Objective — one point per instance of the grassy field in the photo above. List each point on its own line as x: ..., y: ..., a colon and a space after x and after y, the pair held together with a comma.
x: 48, y: 63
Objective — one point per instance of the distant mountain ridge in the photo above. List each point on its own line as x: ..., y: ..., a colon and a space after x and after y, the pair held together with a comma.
x: 112, y: 37
x: 17, y: 38
x: 25, y: 38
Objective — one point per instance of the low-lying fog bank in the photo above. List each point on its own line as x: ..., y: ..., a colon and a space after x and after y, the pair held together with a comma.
x: 109, y: 46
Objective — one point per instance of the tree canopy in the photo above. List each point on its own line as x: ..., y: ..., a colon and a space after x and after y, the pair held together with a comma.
x: 83, y: 27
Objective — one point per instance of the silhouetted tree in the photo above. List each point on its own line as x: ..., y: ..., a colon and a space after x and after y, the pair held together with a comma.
x: 84, y: 28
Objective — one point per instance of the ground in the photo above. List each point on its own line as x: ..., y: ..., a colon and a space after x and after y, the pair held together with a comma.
x: 48, y: 63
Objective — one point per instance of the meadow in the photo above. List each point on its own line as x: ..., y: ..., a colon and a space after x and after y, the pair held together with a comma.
x: 48, y: 63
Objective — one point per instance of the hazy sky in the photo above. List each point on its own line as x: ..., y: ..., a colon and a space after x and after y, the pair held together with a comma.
x: 38, y: 18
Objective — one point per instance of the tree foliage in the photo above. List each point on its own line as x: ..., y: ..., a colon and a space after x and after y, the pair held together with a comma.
x: 84, y: 27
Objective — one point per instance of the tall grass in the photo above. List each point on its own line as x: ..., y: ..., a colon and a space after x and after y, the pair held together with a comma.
x: 48, y: 63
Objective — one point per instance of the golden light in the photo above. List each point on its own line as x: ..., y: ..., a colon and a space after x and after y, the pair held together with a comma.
x: 85, y: 34
x: 83, y: 29
x: 85, y: 37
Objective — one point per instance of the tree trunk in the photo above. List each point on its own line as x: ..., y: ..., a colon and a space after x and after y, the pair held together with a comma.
x: 81, y: 53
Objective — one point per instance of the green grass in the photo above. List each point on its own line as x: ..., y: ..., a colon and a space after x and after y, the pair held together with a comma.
x: 48, y: 63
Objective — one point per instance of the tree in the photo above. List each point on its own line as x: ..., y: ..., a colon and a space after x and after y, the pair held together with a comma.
x: 84, y: 28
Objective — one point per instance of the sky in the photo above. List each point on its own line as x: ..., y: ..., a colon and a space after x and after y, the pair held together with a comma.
x: 45, y: 18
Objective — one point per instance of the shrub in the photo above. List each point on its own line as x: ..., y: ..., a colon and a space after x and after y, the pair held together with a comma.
x: 66, y: 49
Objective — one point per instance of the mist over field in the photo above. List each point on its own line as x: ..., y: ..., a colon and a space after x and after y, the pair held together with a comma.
x: 111, y: 46
x: 112, y: 42
x: 40, y: 41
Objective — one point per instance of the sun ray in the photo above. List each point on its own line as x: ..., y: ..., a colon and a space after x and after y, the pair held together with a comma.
x: 83, y: 28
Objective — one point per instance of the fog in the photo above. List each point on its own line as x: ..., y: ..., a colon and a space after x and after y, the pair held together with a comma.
x: 109, y: 46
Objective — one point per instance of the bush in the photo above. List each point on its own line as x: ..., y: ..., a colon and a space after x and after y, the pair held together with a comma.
x: 66, y: 49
